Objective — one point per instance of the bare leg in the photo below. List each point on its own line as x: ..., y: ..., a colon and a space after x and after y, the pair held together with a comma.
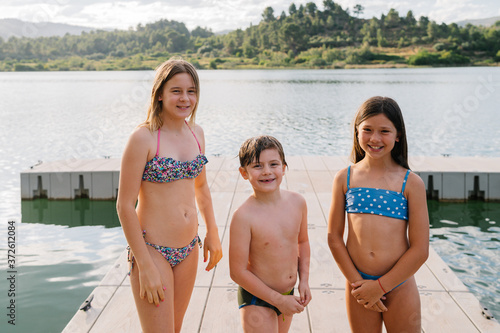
x: 155, y: 319
x: 361, y: 319
x: 259, y: 319
x: 184, y: 278
x: 284, y: 326
x: 403, y: 304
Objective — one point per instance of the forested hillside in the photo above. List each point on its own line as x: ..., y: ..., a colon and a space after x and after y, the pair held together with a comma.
x: 303, y: 37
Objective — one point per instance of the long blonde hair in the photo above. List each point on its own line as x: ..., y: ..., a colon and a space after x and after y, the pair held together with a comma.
x: 165, y: 72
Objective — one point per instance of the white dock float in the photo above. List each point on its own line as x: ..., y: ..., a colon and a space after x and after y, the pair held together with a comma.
x: 447, y: 304
x: 95, y: 179
x: 445, y: 178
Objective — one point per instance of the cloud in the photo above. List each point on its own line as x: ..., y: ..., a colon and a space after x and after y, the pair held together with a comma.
x: 221, y: 14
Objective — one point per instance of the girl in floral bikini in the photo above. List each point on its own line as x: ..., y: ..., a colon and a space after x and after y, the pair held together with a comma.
x: 162, y: 171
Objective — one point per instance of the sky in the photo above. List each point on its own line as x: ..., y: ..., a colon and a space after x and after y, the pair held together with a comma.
x: 222, y: 15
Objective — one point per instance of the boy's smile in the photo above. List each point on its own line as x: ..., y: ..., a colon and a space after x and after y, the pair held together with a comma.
x: 267, y: 174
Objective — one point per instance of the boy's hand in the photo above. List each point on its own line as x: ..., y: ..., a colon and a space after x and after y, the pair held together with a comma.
x: 305, y: 294
x: 290, y: 305
x: 212, y: 245
x: 367, y: 293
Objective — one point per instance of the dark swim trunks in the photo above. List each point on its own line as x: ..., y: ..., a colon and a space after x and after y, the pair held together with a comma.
x: 245, y: 298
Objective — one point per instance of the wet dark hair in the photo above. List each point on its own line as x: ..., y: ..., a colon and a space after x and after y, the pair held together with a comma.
x: 251, y: 149
x: 387, y: 106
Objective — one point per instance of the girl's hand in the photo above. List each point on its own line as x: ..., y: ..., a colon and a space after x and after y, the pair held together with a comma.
x: 212, y: 245
x: 367, y: 293
x: 151, y: 285
x: 379, y: 306
x: 305, y: 293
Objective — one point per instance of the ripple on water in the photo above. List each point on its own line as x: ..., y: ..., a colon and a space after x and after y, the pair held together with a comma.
x: 473, y: 255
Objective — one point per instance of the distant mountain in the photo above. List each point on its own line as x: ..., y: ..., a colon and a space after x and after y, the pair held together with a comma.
x: 18, y: 28
x: 486, y: 22
x: 223, y: 32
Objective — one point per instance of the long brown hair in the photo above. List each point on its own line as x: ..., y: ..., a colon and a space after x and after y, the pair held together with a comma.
x: 165, y: 72
x: 387, y: 106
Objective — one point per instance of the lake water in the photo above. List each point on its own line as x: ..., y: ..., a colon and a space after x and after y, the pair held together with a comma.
x: 59, y: 115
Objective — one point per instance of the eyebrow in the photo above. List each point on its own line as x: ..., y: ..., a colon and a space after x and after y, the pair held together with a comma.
x: 271, y: 161
x: 193, y: 87
x: 368, y: 125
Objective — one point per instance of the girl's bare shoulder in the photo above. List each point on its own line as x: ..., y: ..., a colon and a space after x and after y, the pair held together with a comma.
x: 341, y: 175
x: 340, y: 179
x: 142, y: 134
x: 414, y: 183
x: 198, y: 131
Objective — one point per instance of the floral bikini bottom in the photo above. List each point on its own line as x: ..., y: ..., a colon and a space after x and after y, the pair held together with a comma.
x: 173, y: 255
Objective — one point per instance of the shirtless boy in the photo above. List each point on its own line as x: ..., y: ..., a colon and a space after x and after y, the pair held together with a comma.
x: 268, y: 242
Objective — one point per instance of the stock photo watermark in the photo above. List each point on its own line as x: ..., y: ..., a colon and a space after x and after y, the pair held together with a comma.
x: 11, y: 273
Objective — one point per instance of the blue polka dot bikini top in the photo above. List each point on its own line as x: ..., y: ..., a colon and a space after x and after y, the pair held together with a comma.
x: 365, y: 200
x: 166, y: 169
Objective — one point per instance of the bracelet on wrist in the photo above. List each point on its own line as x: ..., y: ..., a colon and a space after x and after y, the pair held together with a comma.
x: 380, y: 284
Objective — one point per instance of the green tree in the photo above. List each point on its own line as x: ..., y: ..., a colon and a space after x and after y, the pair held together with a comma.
x: 292, y: 9
x: 330, y: 23
x: 381, y: 41
x: 423, y: 21
x: 432, y: 30
x: 410, y: 19
x: 201, y: 32
x: 358, y: 10
x: 300, y: 11
x: 329, y: 5
x: 293, y: 37
x: 268, y: 14
x: 311, y: 8
x: 248, y: 50
x: 392, y: 18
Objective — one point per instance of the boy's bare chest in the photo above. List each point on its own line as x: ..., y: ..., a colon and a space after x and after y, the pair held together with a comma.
x: 272, y: 231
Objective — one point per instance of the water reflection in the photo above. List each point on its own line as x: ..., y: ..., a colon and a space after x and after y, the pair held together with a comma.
x: 471, y: 213
x: 72, y: 213
x: 466, y: 236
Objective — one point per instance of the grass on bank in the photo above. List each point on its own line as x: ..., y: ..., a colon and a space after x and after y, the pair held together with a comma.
x: 321, y: 57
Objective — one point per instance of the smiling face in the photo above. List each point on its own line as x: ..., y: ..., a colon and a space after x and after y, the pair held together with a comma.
x: 178, y: 96
x: 377, y: 136
x: 266, y: 174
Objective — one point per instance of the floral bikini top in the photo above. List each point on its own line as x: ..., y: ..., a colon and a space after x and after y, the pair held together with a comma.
x: 166, y: 169
x: 359, y: 200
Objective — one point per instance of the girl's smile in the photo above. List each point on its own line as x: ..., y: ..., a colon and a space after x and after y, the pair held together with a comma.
x: 377, y: 134
x: 179, y: 96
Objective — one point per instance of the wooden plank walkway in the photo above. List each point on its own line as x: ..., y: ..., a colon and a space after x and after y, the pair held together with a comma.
x: 447, y: 305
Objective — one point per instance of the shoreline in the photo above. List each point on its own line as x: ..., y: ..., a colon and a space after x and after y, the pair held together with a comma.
x: 257, y: 67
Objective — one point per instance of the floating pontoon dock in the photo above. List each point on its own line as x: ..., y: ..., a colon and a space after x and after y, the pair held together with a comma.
x: 447, y: 304
x: 446, y: 178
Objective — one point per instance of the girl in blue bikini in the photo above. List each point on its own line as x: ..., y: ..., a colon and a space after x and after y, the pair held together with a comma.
x: 388, y: 224
x: 162, y: 171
